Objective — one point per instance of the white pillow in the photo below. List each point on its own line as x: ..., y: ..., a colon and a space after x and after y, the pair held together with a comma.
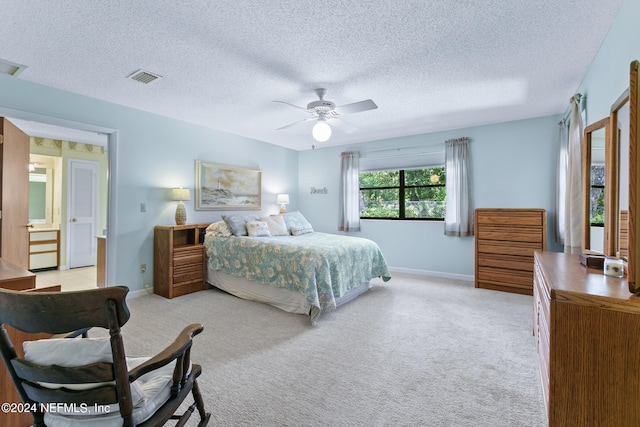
x: 257, y: 229
x: 301, y: 229
x: 219, y: 228
x: 70, y: 352
x: 276, y: 225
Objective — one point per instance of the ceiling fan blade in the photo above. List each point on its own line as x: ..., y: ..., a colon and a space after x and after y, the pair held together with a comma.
x: 295, y: 123
x: 356, y: 107
x: 342, y: 125
x: 295, y: 106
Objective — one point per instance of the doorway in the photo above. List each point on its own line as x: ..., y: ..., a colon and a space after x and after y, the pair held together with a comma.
x: 80, y: 135
x: 76, y: 198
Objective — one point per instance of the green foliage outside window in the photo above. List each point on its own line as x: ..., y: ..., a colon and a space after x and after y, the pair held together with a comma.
x: 403, y: 194
x: 597, y: 195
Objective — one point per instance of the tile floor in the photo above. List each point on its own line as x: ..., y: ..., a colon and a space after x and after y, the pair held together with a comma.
x: 71, y: 280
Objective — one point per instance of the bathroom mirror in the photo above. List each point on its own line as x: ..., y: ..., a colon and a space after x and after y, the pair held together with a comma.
x: 596, y: 157
x: 634, y: 170
x: 40, y: 200
x: 44, y: 189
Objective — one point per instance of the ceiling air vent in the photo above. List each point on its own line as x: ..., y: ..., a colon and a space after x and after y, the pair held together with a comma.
x: 144, y: 76
x: 11, y: 68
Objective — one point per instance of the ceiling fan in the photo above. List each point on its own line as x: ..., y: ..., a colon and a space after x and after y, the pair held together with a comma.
x: 323, y: 111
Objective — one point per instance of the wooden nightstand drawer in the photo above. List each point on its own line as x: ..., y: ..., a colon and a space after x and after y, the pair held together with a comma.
x: 184, y: 256
x: 188, y: 272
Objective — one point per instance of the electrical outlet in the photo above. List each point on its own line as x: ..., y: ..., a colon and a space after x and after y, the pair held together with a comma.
x: 143, y: 268
x: 143, y: 207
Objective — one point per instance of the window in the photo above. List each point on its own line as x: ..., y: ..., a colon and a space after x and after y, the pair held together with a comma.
x: 403, y: 194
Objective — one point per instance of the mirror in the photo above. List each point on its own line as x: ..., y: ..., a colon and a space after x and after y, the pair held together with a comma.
x: 39, y: 197
x: 634, y: 170
x: 596, y: 156
x: 44, y: 193
x: 619, y: 198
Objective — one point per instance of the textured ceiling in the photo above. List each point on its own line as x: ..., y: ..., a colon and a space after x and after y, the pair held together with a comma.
x: 429, y: 65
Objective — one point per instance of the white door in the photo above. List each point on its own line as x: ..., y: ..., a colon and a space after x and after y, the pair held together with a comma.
x: 82, y: 213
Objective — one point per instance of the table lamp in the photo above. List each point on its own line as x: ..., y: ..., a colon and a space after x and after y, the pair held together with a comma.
x: 181, y: 194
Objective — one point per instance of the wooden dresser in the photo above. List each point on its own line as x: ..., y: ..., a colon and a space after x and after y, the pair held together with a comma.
x: 179, y: 261
x: 505, y: 240
x: 17, y: 279
x: 587, y: 332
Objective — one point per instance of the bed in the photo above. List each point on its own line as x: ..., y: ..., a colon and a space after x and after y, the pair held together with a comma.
x: 281, y: 261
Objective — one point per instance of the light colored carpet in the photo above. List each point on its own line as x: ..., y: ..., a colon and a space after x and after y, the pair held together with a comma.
x: 413, y: 351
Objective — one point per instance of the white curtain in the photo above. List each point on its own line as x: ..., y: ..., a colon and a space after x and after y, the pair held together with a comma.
x: 561, y: 191
x: 573, y: 207
x: 350, y: 192
x: 458, y: 220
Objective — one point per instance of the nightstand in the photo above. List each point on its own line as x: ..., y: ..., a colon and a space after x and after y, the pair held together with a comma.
x: 179, y: 261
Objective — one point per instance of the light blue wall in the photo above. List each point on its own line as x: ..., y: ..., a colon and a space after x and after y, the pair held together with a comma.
x: 154, y: 153
x: 608, y: 75
x: 513, y: 166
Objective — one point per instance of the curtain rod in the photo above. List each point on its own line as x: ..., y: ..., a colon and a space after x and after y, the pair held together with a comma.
x: 395, y: 149
x: 567, y: 112
x: 393, y: 156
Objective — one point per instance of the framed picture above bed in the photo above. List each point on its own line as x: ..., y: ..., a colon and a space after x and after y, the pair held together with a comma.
x: 222, y: 187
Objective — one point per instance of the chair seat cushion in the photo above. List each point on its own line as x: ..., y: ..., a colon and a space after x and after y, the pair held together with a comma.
x: 148, y: 392
x: 155, y: 387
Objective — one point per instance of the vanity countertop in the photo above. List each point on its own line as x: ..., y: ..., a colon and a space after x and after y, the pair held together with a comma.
x: 36, y: 229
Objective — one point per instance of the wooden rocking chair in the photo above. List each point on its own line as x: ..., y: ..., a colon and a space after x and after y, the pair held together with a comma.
x: 89, y: 381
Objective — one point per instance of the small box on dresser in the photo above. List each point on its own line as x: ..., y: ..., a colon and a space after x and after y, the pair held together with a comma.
x: 505, y: 240
x: 179, y: 261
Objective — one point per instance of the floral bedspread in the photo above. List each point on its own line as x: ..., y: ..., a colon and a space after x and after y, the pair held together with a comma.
x: 319, y: 265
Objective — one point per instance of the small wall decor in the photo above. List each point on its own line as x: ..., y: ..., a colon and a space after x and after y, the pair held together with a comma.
x: 322, y: 190
x: 221, y: 187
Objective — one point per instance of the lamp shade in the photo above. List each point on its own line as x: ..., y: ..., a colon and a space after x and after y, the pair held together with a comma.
x: 282, y: 199
x: 321, y: 130
x: 180, y: 194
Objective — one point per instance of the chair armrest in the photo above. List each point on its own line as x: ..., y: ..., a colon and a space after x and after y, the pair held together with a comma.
x: 175, y: 350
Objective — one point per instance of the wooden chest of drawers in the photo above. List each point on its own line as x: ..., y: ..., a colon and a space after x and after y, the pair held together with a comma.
x: 179, y: 264
x: 505, y: 240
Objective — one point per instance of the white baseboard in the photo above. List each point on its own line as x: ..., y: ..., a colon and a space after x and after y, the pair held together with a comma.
x: 454, y: 276
x: 139, y: 293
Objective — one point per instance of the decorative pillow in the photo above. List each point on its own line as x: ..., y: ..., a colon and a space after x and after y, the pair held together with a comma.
x: 257, y: 229
x: 276, y: 225
x: 219, y: 228
x: 69, y: 352
x: 299, y: 230
x: 236, y: 223
x: 295, y: 219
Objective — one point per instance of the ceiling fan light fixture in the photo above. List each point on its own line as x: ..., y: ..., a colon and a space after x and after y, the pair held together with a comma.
x: 321, y: 130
